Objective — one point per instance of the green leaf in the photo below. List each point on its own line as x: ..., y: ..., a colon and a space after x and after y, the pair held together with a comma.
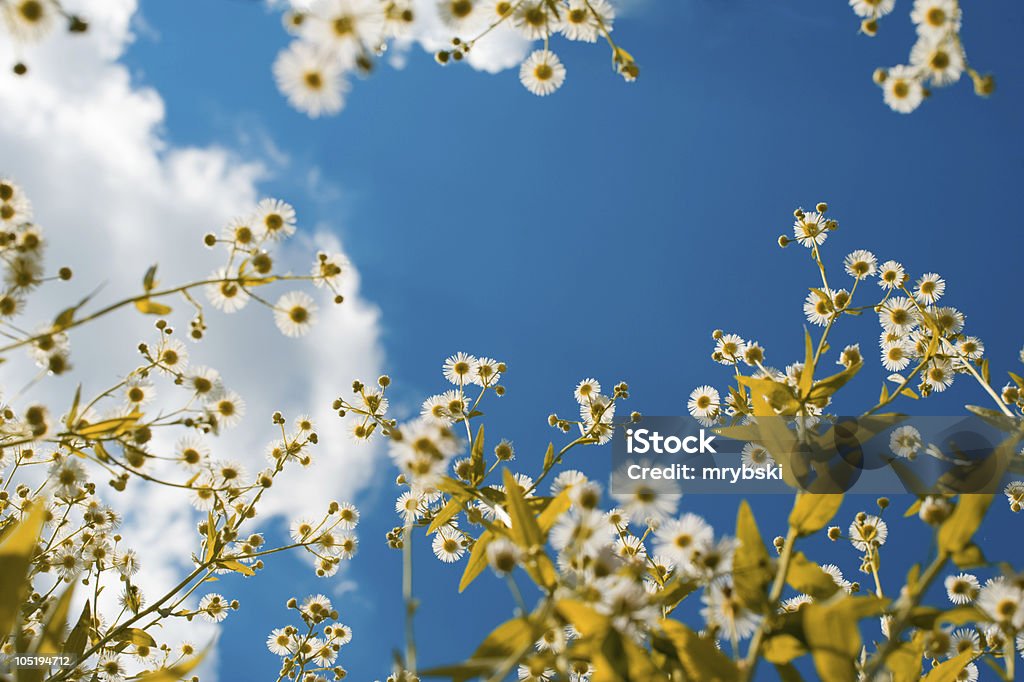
x: 811, y: 512
x: 807, y: 577
x: 586, y: 620
x: 833, y: 634
x: 549, y: 456
x: 995, y: 418
x: 751, y: 564
x: 675, y: 592
x: 947, y: 671
x: 905, y: 660
x: 237, y: 566
x: 148, y: 307
x: 136, y: 636
x: 525, y: 531
x: 476, y: 456
x: 16, y: 550
x: 807, y: 374
x: 110, y: 427
x: 447, y: 513
x: 782, y: 648
x: 477, y: 559
x: 956, y: 532
x: 969, y: 557
x: 509, y: 641
x: 149, y: 280
x: 74, y: 645
x: 558, y: 506
x: 770, y: 398
x: 700, y: 658
x: 829, y: 385
x: 211, y: 537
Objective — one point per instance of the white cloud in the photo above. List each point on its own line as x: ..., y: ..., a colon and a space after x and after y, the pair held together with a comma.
x: 113, y: 196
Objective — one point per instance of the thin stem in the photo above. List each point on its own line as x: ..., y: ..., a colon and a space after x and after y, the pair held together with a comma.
x: 410, y: 602
x: 778, y: 584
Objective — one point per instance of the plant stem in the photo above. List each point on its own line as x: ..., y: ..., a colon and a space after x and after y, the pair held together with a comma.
x: 410, y: 602
x: 750, y: 663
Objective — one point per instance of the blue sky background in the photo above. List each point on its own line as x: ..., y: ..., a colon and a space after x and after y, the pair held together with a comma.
x: 608, y: 229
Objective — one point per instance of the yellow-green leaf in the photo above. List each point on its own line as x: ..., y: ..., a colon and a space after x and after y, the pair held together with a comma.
x: 807, y: 374
x: 148, y: 307
x: 525, y: 530
x: 237, y: 566
x: 829, y: 385
x: 586, y: 620
x: 15, y: 558
x: 782, y: 648
x: 700, y: 658
x: 447, y: 513
x: 947, y: 671
x: 811, y: 511
x: 956, y: 532
x: 110, y: 427
x: 833, y: 634
x: 136, y: 636
x: 751, y: 564
x: 74, y: 645
x: 807, y: 577
x: 477, y: 560
x: 476, y: 457
x: 558, y: 506
x: 905, y: 660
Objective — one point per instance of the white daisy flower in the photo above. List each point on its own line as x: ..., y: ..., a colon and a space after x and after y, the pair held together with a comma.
x: 295, y: 313
x: 328, y: 270
x: 905, y: 442
x: 898, y: 314
x: 730, y: 348
x: 754, y: 456
x: 895, y: 356
x: 462, y: 16
x: 860, y: 264
x: 346, y: 28
x: 964, y: 639
x: 809, y: 229
x: 586, y: 389
x: 938, y: 375
x: 793, y: 604
x: 503, y: 556
x: 936, y: 18
x: 890, y: 275
x: 962, y: 589
x: 542, y: 72
x: 971, y: 347
x: 582, y: 24
x: 679, y: 539
x: 280, y: 643
x: 1014, y: 492
x: 871, y: 532
x: 724, y: 608
x: 1002, y: 602
x: 228, y: 409
x: 567, y: 479
x: 949, y: 320
x: 224, y: 293
x: 850, y: 356
x: 275, y: 217
x: 461, y: 369
x: 872, y: 9
x: 704, y: 401
x: 902, y: 88
x: 448, y: 544
x: 837, y: 577
x: 311, y: 79
x: 29, y: 20
x: 535, y: 20
x: 817, y: 309
x: 15, y: 207
x: 213, y: 607
x: 942, y: 61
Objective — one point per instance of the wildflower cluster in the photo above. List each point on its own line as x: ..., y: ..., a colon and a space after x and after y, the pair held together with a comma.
x: 335, y: 38
x: 937, y: 59
x: 29, y: 21
x: 60, y: 537
x: 309, y: 653
x: 612, y: 578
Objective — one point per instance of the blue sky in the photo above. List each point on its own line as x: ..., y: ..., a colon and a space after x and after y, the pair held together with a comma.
x: 606, y: 230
